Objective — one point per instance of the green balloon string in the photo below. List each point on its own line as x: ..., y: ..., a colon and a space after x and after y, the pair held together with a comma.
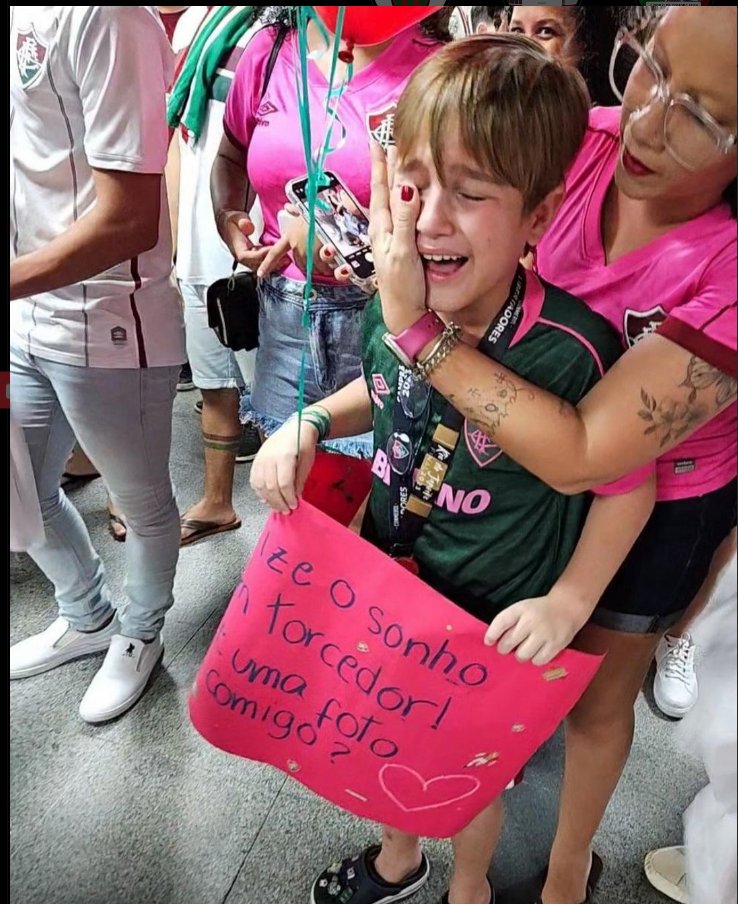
x: 315, y: 163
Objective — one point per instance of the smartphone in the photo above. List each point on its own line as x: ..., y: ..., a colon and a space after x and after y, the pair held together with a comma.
x: 339, y: 222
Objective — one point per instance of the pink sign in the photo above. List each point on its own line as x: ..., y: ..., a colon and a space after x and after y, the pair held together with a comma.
x: 344, y: 670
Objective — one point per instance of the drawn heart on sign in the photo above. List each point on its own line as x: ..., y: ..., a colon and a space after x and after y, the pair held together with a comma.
x: 412, y: 793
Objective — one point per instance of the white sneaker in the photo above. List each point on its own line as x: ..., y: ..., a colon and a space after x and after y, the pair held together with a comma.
x: 675, y: 684
x: 58, y: 644
x: 122, y: 678
x: 666, y: 870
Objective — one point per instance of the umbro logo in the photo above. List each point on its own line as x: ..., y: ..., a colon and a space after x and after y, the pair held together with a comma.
x: 266, y: 109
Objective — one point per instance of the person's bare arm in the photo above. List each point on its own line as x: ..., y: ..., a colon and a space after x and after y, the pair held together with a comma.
x: 283, y: 463
x: 654, y: 397
x: 123, y: 224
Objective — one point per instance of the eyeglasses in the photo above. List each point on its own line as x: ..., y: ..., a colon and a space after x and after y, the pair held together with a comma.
x: 691, y: 135
x: 414, y: 394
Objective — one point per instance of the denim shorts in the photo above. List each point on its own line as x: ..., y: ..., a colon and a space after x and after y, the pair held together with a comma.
x: 331, y: 344
x: 668, y: 563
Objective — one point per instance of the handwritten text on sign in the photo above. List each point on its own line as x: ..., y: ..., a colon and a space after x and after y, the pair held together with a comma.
x: 341, y: 668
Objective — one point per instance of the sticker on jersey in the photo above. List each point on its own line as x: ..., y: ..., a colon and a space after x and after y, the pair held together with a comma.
x: 639, y: 324
x: 30, y: 54
x: 381, y: 125
x: 118, y: 335
x: 480, y: 446
x: 684, y: 466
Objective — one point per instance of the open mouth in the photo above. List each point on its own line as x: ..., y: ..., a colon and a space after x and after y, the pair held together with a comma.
x: 633, y: 165
x: 442, y: 266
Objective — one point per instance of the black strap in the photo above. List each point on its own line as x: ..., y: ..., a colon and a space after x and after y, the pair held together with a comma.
x: 279, y: 38
x: 276, y: 47
x: 412, y: 497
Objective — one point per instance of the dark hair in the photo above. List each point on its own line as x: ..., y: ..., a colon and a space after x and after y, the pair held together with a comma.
x: 435, y: 26
x: 595, y: 28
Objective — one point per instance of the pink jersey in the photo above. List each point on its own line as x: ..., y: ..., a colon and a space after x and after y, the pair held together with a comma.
x: 270, y: 128
x: 683, y: 285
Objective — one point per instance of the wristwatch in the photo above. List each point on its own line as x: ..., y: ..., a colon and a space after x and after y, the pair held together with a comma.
x: 410, y: 342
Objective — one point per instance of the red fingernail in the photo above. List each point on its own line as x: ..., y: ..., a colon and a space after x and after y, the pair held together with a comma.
x: 406, y: 193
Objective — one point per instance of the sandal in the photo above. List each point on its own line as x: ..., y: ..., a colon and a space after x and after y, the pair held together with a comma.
x: 444, y: 899
x: 117, y: 527
x: 201, y: 530
x: 356, y: 881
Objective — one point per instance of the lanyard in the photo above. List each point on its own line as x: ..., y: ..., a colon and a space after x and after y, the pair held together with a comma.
x: 414, y: 492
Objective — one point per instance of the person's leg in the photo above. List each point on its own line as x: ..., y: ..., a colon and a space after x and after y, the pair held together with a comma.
x: 599, y: 733
x: 123, y: 420
x: 217, y: 375
x: 661, y: 575
x: 65, y: 555
x: 473, y: 850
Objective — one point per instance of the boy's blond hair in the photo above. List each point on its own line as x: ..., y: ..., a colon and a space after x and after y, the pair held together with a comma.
x: 518, y: 113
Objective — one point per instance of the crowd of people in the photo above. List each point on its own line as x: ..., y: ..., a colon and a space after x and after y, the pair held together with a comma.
x: 551, y: 212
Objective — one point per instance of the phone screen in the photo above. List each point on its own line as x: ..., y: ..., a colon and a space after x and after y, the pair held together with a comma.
x: 340, y: 221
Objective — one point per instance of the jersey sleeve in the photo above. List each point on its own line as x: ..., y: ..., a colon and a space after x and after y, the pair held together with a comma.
x: 706, y: 325
x: 122, y: 64
x: 244, y: 95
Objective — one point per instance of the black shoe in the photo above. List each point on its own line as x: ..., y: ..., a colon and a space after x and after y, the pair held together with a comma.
x: 184, y: 384
x: 529, y: 892
x: 198, y: 406
x: 356, y: 880
x: 250, y: 444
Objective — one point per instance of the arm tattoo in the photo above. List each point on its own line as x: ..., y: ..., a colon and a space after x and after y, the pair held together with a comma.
x: 701, y: 375
x: 488, y: 407
x: 670, y: 419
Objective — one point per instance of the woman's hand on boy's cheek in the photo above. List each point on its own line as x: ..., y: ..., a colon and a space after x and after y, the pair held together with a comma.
x: 537, y: 629
x: 399, y: 270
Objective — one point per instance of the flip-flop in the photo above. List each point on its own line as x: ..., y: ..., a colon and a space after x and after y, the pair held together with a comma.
x: 117, y: 521
x: 201, y: 530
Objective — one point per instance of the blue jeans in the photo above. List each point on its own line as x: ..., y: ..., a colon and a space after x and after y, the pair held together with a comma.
x: 332, y: 346
x: 122, y: 418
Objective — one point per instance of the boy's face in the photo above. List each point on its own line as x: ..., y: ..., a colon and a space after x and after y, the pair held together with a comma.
x: 470, y: 233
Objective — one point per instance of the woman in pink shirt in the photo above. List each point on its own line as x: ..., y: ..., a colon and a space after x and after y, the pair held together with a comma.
x: 263, y: 139
x: 646, y: 237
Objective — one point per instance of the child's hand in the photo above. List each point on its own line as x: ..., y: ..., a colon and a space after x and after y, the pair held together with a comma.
x: 538, y: 629
x: 283, y: 464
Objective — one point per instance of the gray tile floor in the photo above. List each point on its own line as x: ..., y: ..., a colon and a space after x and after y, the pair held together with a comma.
x: 142, y: 811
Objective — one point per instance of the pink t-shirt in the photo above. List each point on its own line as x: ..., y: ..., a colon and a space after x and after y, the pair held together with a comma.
x: 682, y: 285
x: 271, y: 131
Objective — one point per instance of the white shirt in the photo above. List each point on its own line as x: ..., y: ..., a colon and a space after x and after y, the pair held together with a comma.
x: 87, y: 90
x: 202, y: 257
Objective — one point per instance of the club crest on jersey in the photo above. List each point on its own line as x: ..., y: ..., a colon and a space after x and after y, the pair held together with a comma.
x: 381, y: 125
x: 480, y: 446
x: 639, y: 324
x: 30, y: 54
x: 118, y: 335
